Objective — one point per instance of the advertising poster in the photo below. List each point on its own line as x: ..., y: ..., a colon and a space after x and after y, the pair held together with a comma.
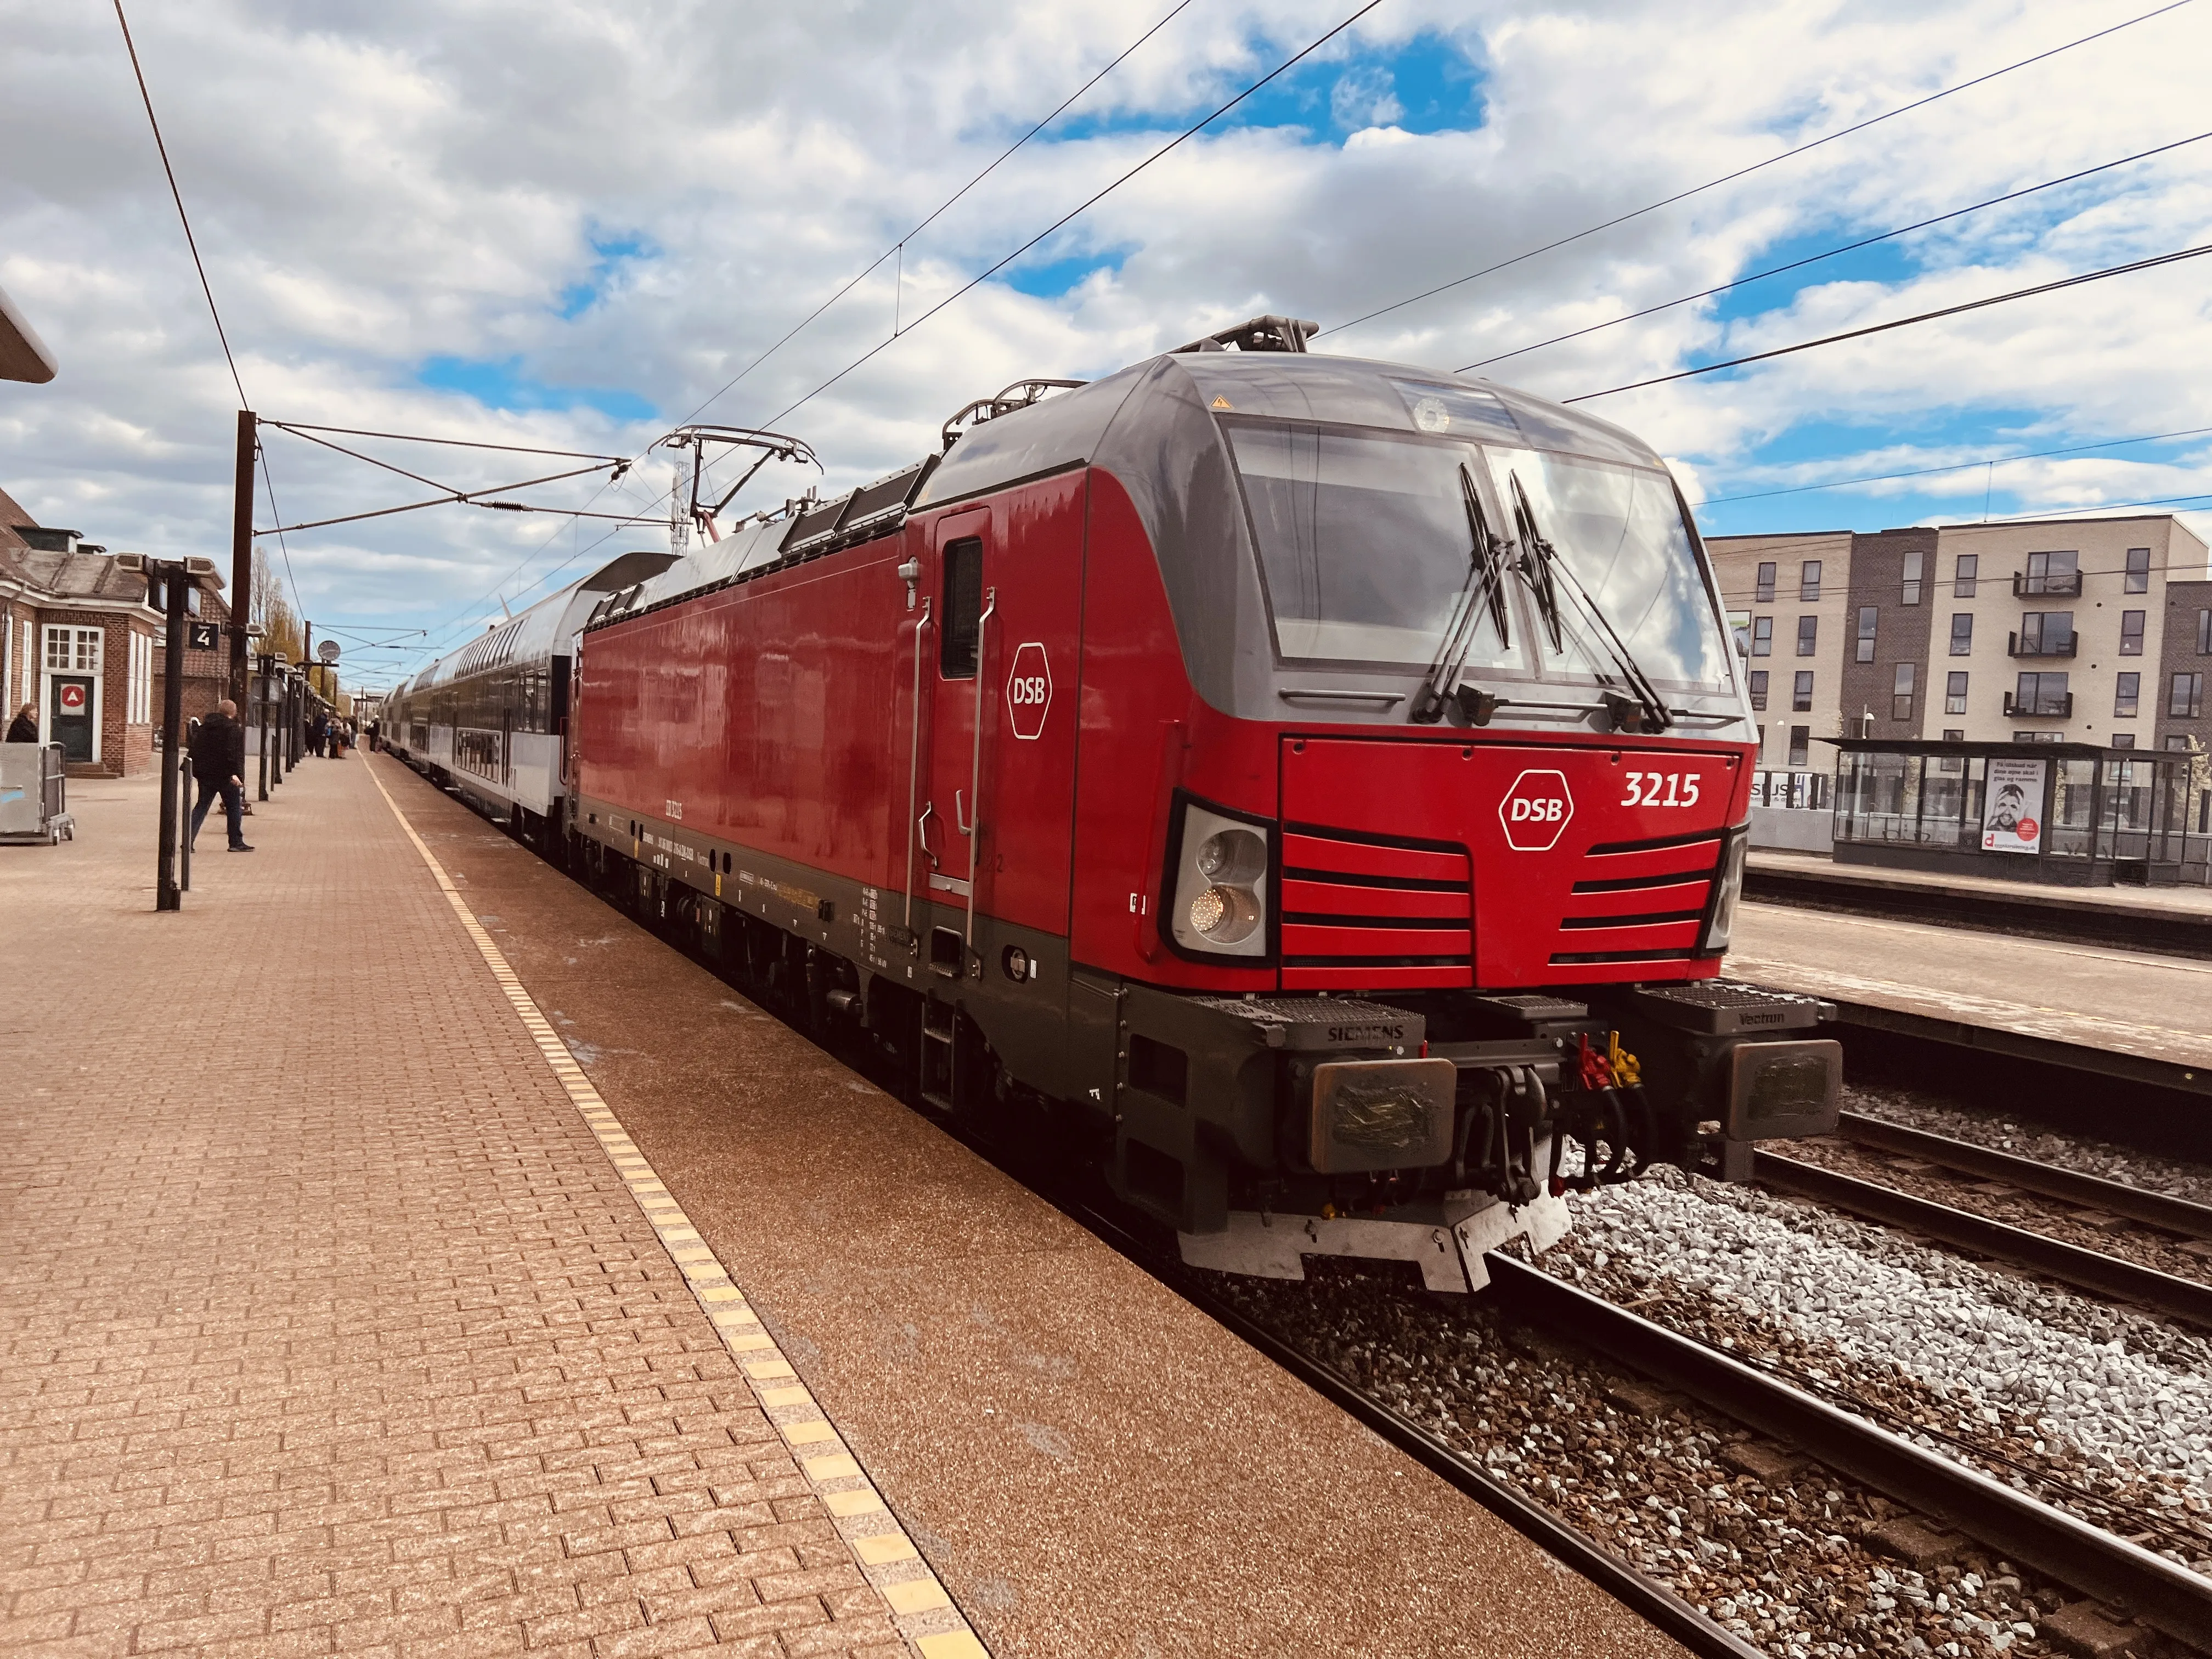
x: 2012, y: 805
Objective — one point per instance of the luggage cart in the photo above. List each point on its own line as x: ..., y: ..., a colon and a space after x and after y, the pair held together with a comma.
x: 34, y: 794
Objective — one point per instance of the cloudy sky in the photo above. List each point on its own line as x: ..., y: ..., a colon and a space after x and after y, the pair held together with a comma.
x: 574, y: 225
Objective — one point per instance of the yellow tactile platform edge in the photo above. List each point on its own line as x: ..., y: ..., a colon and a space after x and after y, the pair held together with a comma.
x: 924, y: 1612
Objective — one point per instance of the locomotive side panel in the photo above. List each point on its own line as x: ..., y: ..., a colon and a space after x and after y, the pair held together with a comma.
x: 760, y: 715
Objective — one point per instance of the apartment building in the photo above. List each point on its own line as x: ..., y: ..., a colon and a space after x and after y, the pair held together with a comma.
x: 2077, y: 630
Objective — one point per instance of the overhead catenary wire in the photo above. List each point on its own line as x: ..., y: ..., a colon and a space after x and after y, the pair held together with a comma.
x: 1745, y: 172
x: 1905, y: 322
x: 207, y: 289
x: 1957, y: 466
x: 898, y: 248
x: 1084, y: 207
x: 987, y: 275
x: 1830, y: 253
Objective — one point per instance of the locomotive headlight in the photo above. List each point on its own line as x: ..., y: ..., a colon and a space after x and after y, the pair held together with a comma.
x: 1219, y: 906
x: 1727, y: 888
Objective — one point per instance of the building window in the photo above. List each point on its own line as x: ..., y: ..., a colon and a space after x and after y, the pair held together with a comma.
x: 1962, y: 634
x: 1762, y: 636
x: 1867, y: 616
x: 1765, y: 594
x: 2204, y: 633
x: 2046, y: 633
x: 2052, y: 573
x: 1954, y: 734
x: 2177, y: 741
x: 1808, y: 636
x: 1962, y: 585
x: 2185, y: 696
x: 1955, y: 693
x: 1801, y: 745
x: 2131, y: 630
x: 1900, y: 693
x: 73, y: 650
x: 1809, y: 581
x: 1759, y: 688
x: 2042, y: 694
x: 1801, y: 695
x: 2138, y: 570
x: 1913, y: 564
x: 2127, y: 694
x: 2123, y: 740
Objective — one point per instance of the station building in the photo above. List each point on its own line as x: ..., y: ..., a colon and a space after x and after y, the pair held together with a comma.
x: 79, y: 640
x: 2093, y: 631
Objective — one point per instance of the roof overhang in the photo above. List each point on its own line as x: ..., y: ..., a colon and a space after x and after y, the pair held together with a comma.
x: 23, y: 355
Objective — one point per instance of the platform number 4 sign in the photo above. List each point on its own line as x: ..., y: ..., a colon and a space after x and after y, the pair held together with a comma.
x: 202, y: 635
x: 1028, y: 691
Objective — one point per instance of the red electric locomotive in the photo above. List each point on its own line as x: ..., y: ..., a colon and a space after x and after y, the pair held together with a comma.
x: 1314, y: 789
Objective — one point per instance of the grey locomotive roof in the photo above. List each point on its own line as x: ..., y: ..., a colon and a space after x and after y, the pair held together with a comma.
x: 1135, y: 423
x: 1083, y: 425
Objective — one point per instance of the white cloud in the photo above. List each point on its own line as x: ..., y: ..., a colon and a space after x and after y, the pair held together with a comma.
x: 377, y: 186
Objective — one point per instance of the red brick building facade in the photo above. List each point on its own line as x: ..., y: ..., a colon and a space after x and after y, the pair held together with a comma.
x: 79, y: 643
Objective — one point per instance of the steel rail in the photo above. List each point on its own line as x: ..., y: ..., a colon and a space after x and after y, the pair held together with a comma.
x: 2099, y: 1563
x: 2173, y: 1215
x: 2183, y: 1299
x: 1646, y: 1596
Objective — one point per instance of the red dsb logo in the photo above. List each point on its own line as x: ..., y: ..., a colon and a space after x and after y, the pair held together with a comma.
x: 1536, y: 811
x: 1028, y: 691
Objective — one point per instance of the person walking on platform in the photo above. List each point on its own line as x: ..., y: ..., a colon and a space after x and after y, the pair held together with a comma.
x: 218, y: 751
x: 24, y: 729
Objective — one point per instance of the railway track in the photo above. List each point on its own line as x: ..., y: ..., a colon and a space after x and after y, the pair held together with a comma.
x: 2173, y: 1215
x: 2102, y: 1565
x: 2185, y: 1300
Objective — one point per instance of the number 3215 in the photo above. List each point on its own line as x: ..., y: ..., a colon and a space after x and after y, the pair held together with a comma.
x: 1661, y: 789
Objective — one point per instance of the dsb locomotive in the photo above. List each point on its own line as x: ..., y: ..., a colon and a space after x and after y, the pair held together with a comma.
x: 1311, y: 790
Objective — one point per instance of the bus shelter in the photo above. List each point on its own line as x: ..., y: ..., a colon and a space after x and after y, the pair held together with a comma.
x: 2070, y: 813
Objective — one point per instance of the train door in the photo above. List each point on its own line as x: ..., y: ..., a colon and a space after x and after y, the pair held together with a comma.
x: 956, y: 647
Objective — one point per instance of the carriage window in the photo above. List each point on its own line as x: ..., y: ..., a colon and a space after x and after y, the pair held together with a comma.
x: 963, y: 609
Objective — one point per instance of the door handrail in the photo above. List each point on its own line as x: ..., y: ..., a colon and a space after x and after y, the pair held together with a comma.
x: 976, y: 764
x: 913, y: 767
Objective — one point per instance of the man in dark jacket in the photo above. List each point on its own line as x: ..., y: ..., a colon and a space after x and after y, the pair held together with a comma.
x: 24, y: 729
x: 218, y: 751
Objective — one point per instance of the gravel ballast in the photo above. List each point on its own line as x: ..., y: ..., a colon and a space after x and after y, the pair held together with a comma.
x: 2000, y: 1370
x: 1783, y: 1559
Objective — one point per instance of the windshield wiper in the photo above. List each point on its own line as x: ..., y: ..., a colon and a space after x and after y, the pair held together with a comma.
x: 1542, y: 566
x: 1482, y: 594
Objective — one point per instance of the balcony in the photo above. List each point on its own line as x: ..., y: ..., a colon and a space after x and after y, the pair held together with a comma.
x: 2056, y: 584
x: 2061, y: 645
x: 2060, y: 707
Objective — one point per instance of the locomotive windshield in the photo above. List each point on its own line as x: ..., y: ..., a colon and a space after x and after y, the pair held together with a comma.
x: 1365, y: 541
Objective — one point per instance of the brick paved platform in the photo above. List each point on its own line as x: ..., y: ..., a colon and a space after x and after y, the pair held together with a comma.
x: 321, y: 1342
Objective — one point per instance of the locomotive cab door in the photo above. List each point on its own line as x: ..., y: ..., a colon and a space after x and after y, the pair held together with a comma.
x: 953, y: 717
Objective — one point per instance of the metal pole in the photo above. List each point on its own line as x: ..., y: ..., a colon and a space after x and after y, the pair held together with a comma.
x: 241, y: 554
x: 264, y: 785
x: 167, y: 894
x: 185, y: 826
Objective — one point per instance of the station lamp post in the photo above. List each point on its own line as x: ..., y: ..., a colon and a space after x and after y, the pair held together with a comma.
x: 168, y: 582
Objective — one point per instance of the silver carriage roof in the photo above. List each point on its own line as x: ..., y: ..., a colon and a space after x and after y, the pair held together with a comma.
x: 543, y: 630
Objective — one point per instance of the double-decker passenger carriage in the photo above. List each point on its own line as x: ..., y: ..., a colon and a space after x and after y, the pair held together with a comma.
x: 1312, y: 790
x: 491, y: 719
